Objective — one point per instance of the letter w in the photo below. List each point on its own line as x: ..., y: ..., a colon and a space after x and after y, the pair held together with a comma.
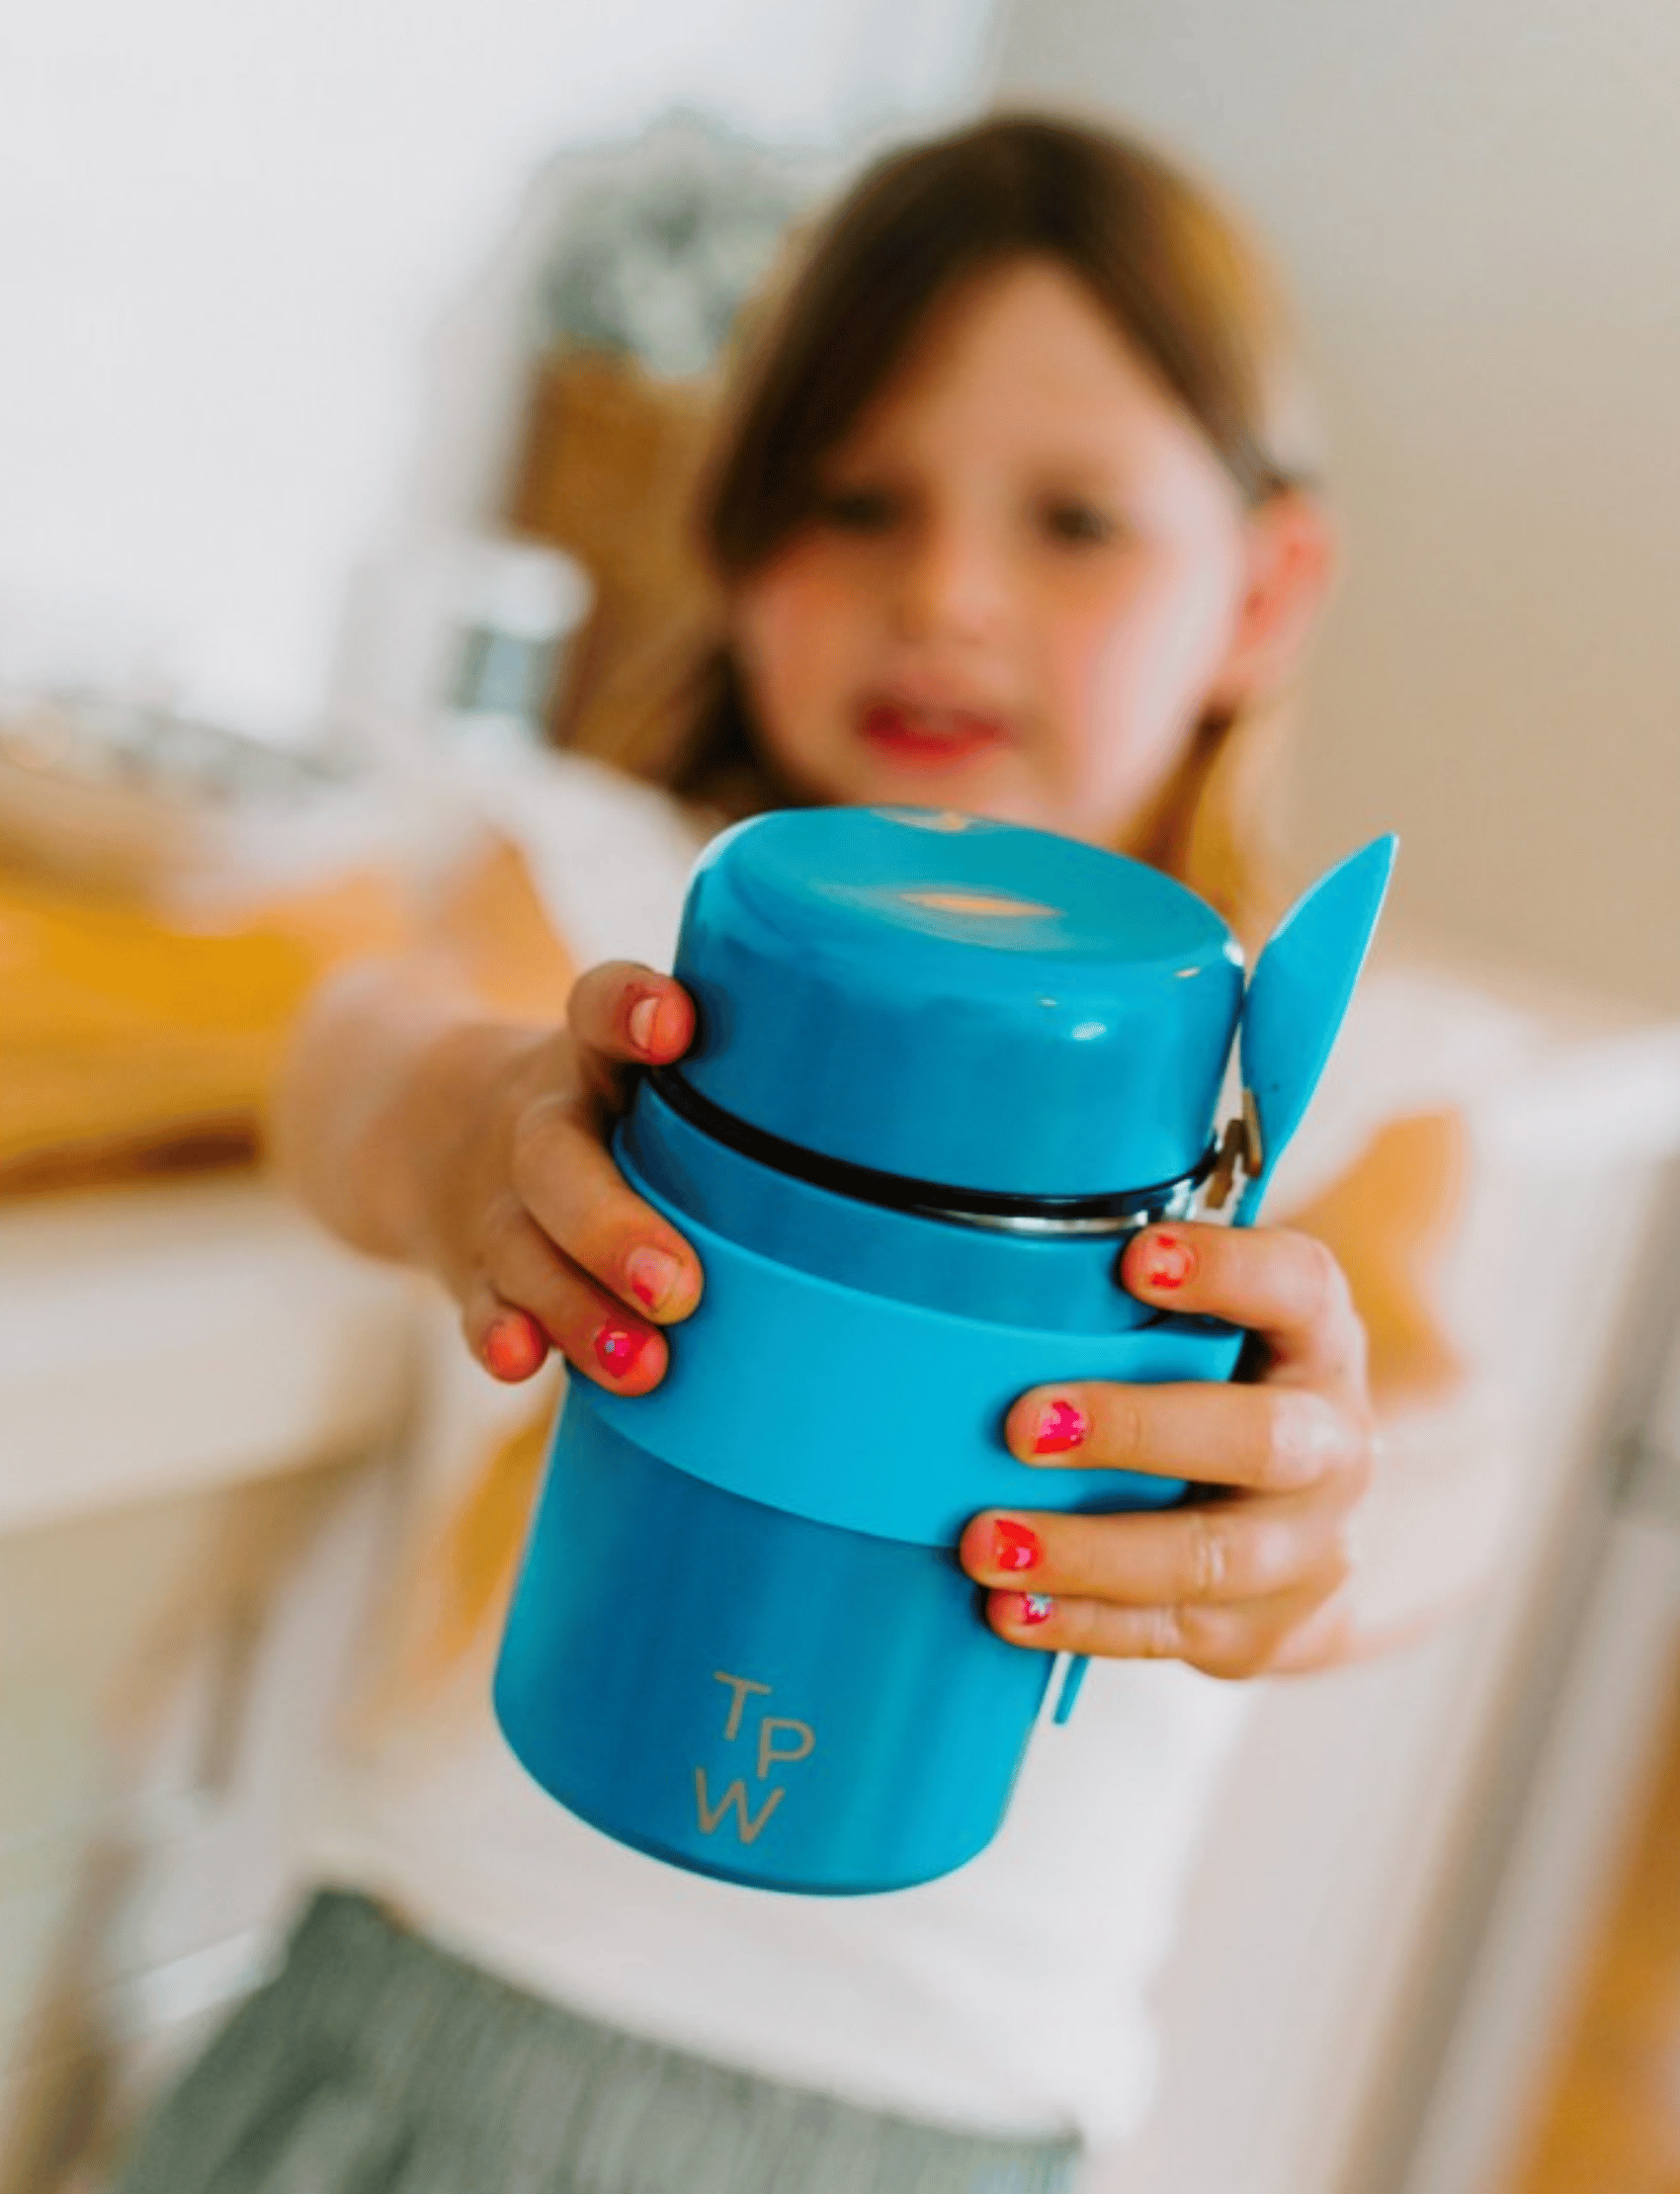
x: 746, y: 1827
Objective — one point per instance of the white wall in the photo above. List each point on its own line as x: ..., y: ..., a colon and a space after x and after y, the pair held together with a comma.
x: 226, y: 236
x: 1480, y: 201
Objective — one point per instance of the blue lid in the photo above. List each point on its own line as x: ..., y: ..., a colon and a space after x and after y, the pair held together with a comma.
x: 957, y: 1001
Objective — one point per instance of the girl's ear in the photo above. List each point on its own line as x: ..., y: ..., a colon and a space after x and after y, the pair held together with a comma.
x: 1291, y: 562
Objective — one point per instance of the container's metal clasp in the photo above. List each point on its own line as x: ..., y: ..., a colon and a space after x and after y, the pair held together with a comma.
x: 1241, y: 1151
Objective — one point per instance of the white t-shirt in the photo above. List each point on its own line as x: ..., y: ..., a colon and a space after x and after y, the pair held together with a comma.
x: 1012, y: 1995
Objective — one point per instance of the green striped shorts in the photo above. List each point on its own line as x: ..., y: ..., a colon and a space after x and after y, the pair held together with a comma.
x: 375, y: 2064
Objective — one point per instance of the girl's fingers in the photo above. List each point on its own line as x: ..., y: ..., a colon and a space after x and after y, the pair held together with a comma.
x: 577, y: 1196
x: 1285, y: 1288
x: 630, y: 1015
x: 1251, y: 1639
x: 523, y: 1274
x: 1210, y: 1554
x: 1230, y: 1642
x: 1234, y: 1586
x: 566, y: 1249
x: 1271, y: 1438
x: 507, y: 1341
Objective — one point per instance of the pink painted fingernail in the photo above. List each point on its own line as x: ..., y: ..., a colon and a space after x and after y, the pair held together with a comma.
x: 1062, y: 1425
x: 644, y: 1017
x: 652, y: 1274
x: 1014, y: 1546
x: 617, y: 1348
x: 1036, y: 1607
x: 1170, y: 1262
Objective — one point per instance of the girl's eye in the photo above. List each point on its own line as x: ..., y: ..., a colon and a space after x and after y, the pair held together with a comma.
x: 856, y: 510
x: 1080, y: 524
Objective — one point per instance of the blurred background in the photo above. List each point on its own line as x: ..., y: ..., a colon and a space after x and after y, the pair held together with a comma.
x: 354, y: 363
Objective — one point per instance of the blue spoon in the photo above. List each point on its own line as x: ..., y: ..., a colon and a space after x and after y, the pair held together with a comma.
x: 1299, y: 996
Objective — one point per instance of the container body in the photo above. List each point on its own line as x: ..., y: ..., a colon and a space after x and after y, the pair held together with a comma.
x: 748, y: 1694
x: 702, y: 1667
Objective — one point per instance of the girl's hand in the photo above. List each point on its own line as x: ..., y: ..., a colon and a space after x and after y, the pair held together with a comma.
x: 1248, y: 1576
x: 523, y: 1213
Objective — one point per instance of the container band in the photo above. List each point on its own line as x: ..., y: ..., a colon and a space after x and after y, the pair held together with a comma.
x: 875, y: 1415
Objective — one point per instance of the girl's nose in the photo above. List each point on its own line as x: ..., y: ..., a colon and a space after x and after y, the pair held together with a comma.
x: 951, y: 584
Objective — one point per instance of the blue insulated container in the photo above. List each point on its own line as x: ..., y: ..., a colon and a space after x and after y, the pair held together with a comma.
x: 943, y: 1068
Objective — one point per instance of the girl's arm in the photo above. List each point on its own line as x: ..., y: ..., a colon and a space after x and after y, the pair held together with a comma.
x: 436, y: 1111
x: 1427, y: 1535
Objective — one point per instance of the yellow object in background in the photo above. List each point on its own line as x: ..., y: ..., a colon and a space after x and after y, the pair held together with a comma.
x: 134, y: 1039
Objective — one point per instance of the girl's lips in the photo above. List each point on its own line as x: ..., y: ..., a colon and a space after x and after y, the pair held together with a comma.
x: 928, y: 737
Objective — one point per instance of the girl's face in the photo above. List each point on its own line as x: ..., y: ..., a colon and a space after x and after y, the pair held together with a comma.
x: 1023, y: 585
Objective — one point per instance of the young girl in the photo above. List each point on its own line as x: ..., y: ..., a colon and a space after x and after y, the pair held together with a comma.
x: 1007, y: 515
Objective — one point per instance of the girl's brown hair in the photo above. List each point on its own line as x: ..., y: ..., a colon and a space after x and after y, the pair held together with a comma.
x: 1180, y: 282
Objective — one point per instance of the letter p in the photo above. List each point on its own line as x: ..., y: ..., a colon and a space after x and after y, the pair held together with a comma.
x: 769, y: 1751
